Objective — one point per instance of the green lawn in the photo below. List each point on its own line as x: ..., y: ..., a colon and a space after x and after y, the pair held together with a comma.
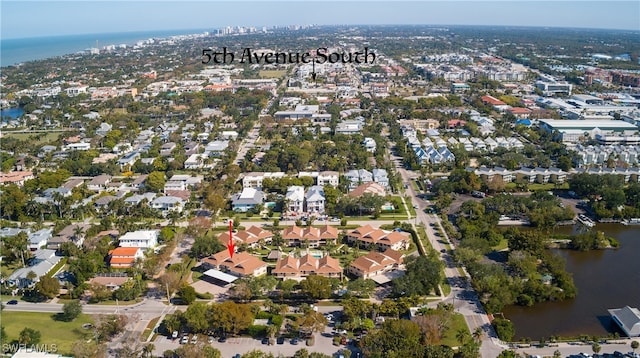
x: 35, y: 138
x: 502, y: 245
x: 62, y: 334
x: 457, y: 323
x: 120, y: 303
x: 149, y: 330
x: 537, y: 187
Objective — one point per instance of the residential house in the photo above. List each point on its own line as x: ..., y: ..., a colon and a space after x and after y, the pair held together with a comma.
x: 198, y: 161
x: 380, y: 177
x: 138, y: 182
x: 248, y: 199
x: 328, y: 178
x: 497, y: 104
x: 12, y: 231
x: 78, y: 146
x: 40, y: 238
x: 375, y: 263
x: 349, y: 127
x: 143, y: 238
x: 125, y: 257
x: 315, y: 200
x: 42, y: 262
x: 520, y: 113
x: 111, y: 282
x: 358, y: 177
x: 370, y: 188
x: 294, y: 199
x: 250, y: 237
x: 167, y: 148
x: 99, y: 183
x: 254, y: 179
x: 102, y: 203
x: 103, y: 129
x: 71, y: 233
x: 167, y: 204
x: 367, y: 236
x: 136, y: 199
x: 557, y: 175
x: 216, y: 148
x: 188, y: 181
x: 488, y: 174
x: 242, y: 264
x: 310, y: 237
x: 128, y: 159
x: 369, y: 144
x: 17, y: 178
x: 290, y: 267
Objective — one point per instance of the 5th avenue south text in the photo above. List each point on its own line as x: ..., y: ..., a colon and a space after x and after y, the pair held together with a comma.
x: 322, y: 55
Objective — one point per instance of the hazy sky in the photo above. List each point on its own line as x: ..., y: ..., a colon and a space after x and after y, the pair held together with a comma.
x: 46, y: 18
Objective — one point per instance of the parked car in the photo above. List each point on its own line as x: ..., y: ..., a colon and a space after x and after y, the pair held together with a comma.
x: 12, y: 302
x: 174, y: 335
x: 265, y: 340
x: 184, y: 340
x: 280, y: 340
x: 222, y: 339
x: 194, y: 339
x: 294, y: 341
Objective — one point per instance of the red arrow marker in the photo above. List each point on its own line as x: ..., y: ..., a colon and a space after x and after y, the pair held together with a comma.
x: 230, y: 244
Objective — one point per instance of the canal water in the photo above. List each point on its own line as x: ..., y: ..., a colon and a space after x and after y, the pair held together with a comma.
x: 12, y: 113
x: 604, y: 278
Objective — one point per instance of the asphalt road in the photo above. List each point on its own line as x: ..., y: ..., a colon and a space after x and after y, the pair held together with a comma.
x: 470, y: 307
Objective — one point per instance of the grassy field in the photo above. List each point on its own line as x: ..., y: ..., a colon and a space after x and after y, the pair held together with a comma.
x: 537, y: 187
x: 457, y: 323
x: 272, y: 73
x: 62, y: 334
x: 42, y: 138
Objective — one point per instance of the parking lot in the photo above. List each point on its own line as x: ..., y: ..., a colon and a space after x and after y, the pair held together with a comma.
x: 241, y: 345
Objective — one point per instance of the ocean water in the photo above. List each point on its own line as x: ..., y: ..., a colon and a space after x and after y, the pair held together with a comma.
x: 14, y: 51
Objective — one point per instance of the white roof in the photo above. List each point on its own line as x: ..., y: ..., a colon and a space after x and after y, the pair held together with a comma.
x: 295, y: 193
x: 248, y: 193
x: 589, y: 123
x: 219, y: 275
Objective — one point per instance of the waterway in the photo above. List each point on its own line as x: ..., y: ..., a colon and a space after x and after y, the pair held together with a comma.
x: 604, y: 278
x: 12, y: 113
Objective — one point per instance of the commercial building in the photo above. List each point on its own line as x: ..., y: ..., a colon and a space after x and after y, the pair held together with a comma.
x: 628, y: 319
x: 575, y: 131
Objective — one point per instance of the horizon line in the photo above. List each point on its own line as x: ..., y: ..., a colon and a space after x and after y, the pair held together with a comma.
x: 325, y: 25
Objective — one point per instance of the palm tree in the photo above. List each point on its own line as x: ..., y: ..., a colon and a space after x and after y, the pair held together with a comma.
x: 596, y: 348
x: 78, y: 231
x: 147, y: 350
x: 478, y: 334
x: 271, y: 330
x: 634, y: 345
x: 462, y: 335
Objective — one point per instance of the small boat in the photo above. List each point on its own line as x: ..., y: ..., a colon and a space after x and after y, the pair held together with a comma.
x: 632, y: 221
x: 586, y: 221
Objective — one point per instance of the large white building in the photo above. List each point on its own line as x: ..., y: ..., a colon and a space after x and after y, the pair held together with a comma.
x: 295, y: 199
x: 575, y: 131
x: 142, y: 238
